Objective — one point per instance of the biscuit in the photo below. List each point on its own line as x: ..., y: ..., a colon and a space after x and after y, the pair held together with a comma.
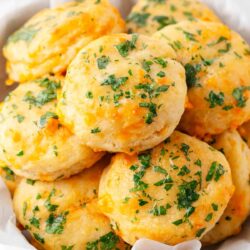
x: 64, y: 213
x: 123, y: 93
x: 33, y: 142
x: 173, y: 193
x: 238, y: 156
x: 49, y: 41
x: 217, y: 63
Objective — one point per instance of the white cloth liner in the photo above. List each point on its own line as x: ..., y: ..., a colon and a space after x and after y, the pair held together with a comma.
x: 14, y: 13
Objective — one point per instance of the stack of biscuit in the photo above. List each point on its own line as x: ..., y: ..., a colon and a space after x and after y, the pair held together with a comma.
x: 119, y: 130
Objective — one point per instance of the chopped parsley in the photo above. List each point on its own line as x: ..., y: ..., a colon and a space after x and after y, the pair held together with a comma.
x: 39, y: 238
x: 209, y: 217
x: 30, y: 182
x: 142, y: 202
x: 150, y: 91
x: 159, y: 210
x: 9, y: 174
x: 183, y: 171
x: 139, y: 185
x: 45, y: 117
x: 198, y: 163
x: 176, y: 45
x: 67, y: 247
x: 114, y: 82
x: 161, y: 62
x: 161, y: 170
x: 214, y: 206
x: 102, y: 62
x: 216, y: 171
x: 168, y: 179
x: 55, y: 223
x: 191, y: 74
x: 139, y: 18
x: 189, y: 36
x: 187, y: 194
x: 25, y: 206
x: 161, y: 74
x: 125, y: 47
x: 215, y: 99
x: 200, y: 232
x: 95, y: 130
x: 48, y: 205
x: 145, y: 159
x: 177, y: 222
x: 164, y: 21
x: 47, y: 95
x: 146, y: 65
x: 238, y: 94
x: 228, y: 47
x: 35, y: 222
x: 20, y: 118
x: 24, y: 34
x: 220, y: 39
x: 20, y: 153
x: 185, y: 149
x: 108, y: 241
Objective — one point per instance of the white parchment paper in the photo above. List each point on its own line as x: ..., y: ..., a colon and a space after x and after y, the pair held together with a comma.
x: 13, y: 13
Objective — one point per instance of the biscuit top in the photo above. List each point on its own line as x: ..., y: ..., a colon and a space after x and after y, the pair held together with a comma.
x: 179, y: 189
x: 149, y: 16
x: 120, y: 89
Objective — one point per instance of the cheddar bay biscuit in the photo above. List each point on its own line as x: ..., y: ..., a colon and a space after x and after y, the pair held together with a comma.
x: 64, y: 214
x: 217, y: 63
x: 123, y: 93
x: 33, y: 143
x: 238, y: 208
x: 173, y: 193
x: 49, y: 40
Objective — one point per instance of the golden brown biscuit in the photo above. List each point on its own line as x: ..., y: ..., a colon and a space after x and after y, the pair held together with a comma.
x: 50, y: 40
x: 34, y: 143
x: 123, y: 93
x: 238, y: 156
x: 217, y: 63
x: 64, y: 214
x: 149, y: 16
x: 173, y: 193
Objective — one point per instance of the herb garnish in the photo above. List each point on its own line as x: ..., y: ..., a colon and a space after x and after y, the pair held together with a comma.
x: 164, y: 21
x: 139, y: 18
x: 108, y: 241
x: 216, y: 171
x: 55, y: 223
x: 102, y: 62
x: 215, y: 99
x: 125, y: 47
